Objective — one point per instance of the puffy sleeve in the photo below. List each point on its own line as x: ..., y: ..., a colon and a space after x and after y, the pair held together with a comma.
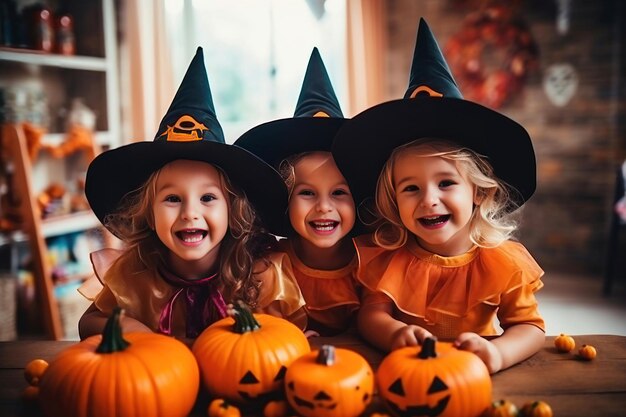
x: 101, y: 261
x: 518, y: 304
x: 279, y: 286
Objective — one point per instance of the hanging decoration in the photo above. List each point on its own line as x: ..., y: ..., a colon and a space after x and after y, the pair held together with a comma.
x: 492, y: 55
x: 560, y: 82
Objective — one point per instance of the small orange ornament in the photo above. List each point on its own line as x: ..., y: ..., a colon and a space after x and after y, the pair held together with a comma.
x: 501, y: 408
x: 34, y: 371
x: 277, y: 408
x: 222, y: 408
x: 537, y: 409
x: 30, y: 393
x: 564, y: 343
x: 587, y: 352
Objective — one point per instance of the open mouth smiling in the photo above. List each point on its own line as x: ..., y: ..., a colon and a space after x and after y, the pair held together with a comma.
x: 191, y: 235
x: 324, y: 225
x: 434, y: 221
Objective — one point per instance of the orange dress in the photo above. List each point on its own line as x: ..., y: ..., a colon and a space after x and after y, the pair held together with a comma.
x: 451, y: 295
x: 321, y: 300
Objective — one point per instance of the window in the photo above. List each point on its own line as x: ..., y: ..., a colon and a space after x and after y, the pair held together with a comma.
x: 256, y: 53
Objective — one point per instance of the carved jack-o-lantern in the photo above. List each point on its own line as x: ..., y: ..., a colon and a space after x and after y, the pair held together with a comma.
x: 416, y: 381
x: 186, y: 129
x: 246, y: 360
x: 330, y: 382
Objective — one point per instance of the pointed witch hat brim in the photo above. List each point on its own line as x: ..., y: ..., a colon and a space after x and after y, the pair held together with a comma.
x: 315, y: 122
x: 189, y: 130
x: 316, y: 119
x: 433, y: 107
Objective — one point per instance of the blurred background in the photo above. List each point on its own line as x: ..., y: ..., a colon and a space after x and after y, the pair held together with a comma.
x: 78, y: 77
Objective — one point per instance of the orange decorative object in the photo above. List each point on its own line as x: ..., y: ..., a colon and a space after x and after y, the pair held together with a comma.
x: 34, y: 370
x: 513, y: 54
x: 30, y: 393
x: 77, y: 138
x: 244, y: 357
x: 564, y: 343
x: 536, y: 409
x: 137, y: 374
x: 329, y: 382
x: 34, y: 136
x: 276, y: 408
x: 435, y: 379
x: 587, y: 352
x: 221, y: 408
x: 501, y: 408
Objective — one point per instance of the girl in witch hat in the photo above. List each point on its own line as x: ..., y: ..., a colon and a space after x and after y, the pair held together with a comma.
x: 310, y: 280
x: 447, y: 175
x: 189, y: 209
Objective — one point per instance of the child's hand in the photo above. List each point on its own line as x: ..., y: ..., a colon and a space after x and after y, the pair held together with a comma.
x: 485, y: 350
x: 409, y: 335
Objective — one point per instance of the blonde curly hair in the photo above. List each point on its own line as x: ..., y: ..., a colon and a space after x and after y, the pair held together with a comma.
x: 493, y: 220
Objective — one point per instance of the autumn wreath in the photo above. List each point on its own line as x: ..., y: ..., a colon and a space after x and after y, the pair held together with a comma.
x: 491, y: 56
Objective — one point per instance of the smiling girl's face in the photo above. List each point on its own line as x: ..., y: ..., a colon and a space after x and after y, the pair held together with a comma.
x: 190, y: 215
x: 435, y: 201
x: 321, y: 208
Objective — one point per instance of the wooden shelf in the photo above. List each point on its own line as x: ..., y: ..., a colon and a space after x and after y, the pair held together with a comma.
x: 27, y: 56
x: 56, y: 226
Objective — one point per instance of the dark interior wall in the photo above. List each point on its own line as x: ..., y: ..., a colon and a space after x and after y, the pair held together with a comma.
x: 578, y: 145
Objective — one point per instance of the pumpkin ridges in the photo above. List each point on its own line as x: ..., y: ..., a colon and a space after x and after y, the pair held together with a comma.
x: 83, y: 382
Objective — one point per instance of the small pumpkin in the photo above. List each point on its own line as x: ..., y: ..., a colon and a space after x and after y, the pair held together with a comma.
x: 276, y: 408
x: 564, y: 343
x: 244, y: 357
x: 30, y: 393
x: 537, y: 409
x: 587, y: 352
x: 501, y: 408
x: 435, y: 379
x: 154, y: 374
x: 222, y: 408
x: 34, y: 371
x: 330, y: 382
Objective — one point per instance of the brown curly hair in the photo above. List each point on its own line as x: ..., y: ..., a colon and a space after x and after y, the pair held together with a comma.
x: 245, y: 242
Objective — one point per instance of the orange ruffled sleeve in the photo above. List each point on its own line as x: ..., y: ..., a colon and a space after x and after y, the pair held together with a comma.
x: 473, y: 285
x: 278, y: 283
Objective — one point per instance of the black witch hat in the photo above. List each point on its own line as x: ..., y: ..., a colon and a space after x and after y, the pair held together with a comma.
x: 315, y: 122
x: 433, y: 107
x: 189, y: 130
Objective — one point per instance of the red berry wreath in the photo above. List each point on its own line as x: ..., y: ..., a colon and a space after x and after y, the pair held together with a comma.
x: 491, y: 56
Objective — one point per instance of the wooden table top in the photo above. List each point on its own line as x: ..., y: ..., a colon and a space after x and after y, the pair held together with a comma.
x: 571, y: 386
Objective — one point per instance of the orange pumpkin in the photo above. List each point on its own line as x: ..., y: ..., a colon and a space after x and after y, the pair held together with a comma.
x: 243, y: 358
x: 222, y: 408
x: 276, y: 408
x: 501, y: 408
x: 587, y: 352
x: 564, y: 343
x: 329, y: 382
x: 537, y: 409
x: 34, y: 371
x: 137, y: 374
x: 435, y: 379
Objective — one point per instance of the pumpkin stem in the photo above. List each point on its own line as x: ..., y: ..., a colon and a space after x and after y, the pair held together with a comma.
x: 112, y: 338
x: 326, y: 355
x: 428, y: 349
x: 244, y: 319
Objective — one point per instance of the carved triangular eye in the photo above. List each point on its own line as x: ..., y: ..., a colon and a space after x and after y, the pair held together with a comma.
x: 397, y: 388
x: 437, y: 385
x: 281, y: 373
x: 322, y: 396
x: 249, y: 378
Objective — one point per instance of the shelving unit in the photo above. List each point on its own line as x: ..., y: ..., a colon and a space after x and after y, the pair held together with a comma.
x: 92, y: 75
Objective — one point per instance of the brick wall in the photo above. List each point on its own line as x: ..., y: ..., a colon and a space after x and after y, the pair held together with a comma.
x: 578, y: 146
